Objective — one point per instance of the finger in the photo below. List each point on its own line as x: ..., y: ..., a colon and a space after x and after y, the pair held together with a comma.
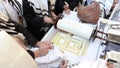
x: 48, y: 43
x: 68, y: 11
x: 47, y: 46
x: 46, y: 51
x: 64, y: 63
x: 50, y: 20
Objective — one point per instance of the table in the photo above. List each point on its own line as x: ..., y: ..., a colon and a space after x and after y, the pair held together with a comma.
x: 94, y: 49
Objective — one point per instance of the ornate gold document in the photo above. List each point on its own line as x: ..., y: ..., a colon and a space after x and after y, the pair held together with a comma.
x: 67, y: 43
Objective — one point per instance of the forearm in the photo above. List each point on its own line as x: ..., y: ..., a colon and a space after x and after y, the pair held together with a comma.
x: 29, y: 38
x: 36, y: 53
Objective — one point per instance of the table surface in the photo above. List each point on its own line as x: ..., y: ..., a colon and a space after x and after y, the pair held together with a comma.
x: 94, y: 49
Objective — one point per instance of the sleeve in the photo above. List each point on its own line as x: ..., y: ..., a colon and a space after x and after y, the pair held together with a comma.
x: 29, y: 38
x: 31, y: 54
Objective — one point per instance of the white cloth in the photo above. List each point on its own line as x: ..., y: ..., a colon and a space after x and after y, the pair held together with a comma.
x: 99, y: 63
x: 20, y: 1
x: 107, y: 4
x: 39, y: 6
x: 2, y: 8
x: 52, y: 59
x: 8, y: 10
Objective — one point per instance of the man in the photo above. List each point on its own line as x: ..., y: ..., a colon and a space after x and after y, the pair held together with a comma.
x: 43, y: 46
x: 35, y: 16
x: 20, y: 34
x: 15, y: 29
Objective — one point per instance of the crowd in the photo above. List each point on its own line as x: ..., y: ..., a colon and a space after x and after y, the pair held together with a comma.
x: 25, y: 22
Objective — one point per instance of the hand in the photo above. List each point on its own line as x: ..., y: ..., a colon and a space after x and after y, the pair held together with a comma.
x: 64, y: 64
x: 44, y: 47
x: 66, y: 6
x: 67, y: 11
x: 53, y: 16
x: 48, y: 20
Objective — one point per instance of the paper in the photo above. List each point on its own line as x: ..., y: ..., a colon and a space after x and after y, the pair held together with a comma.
x: 75, y: 28
x: 12, y: 55
x: 72, y: 16
x: 69, y: 44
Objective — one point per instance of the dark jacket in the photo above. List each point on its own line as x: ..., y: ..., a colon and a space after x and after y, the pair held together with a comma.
x: 30, y: 16
x: 34, y: 22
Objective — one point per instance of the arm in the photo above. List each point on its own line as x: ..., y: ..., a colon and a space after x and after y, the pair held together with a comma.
x: 43, y: 50
x: 43, y: 46
x: 31, y: 17
x: 30, y: 39
x: 64, y: 64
